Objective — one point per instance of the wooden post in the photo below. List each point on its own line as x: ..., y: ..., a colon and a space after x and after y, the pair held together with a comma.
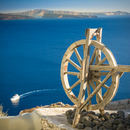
x: 85, y: 70
x: 98, y: 60
x: 85, y: 65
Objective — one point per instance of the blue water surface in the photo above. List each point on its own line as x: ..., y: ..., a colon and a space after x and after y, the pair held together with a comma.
x: 31, y: 52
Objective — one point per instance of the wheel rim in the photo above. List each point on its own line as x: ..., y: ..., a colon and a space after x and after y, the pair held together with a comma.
x: 93, y: 82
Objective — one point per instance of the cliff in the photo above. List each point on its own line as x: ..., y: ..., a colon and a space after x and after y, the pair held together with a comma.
x: 45, y: 14
x: 13, y: 17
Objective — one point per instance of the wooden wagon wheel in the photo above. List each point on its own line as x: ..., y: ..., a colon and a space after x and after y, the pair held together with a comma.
x: 94, y: 76
x: 96, y: 70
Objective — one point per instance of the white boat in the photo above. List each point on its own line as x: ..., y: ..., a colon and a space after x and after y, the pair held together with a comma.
x: 15, y: 98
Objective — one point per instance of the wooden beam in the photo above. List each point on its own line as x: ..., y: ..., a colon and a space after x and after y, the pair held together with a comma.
x: 98, y: 59
x: 119, y: 68
x: 98, y: 94
x: 93, y: 56
x: 99, y: 74
x: 89, y: 92
x: 83, y: 49
x: 85, y: 68
x: 104, y: 85
x: 85, y: 65
x: 76, y: 118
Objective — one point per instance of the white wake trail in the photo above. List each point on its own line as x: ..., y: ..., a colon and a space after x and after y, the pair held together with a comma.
x: 36, y: 91
x: 15, y: 99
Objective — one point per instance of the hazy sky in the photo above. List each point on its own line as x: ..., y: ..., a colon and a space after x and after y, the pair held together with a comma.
x: 77, y: 5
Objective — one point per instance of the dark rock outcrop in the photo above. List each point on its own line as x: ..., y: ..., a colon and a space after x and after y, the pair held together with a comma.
x: 92, y: 121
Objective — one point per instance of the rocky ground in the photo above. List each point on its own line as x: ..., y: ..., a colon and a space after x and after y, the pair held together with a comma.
x: 114, y: 105
x: 45, y: 125
x: 119, y: 105
x: 59, y: 116
x: 54, y: 105
x: 94, y: 121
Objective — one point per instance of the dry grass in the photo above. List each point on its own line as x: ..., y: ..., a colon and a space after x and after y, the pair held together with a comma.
x: 1, y: 111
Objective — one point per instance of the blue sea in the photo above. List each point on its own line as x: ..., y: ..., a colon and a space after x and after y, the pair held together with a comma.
x: 31, y: 52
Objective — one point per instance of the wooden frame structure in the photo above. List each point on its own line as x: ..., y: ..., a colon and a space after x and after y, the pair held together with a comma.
x: 93, y: 72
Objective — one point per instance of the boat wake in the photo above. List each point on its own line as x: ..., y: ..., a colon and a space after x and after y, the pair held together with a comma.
x: 15, y: 99
x: 36, y: 91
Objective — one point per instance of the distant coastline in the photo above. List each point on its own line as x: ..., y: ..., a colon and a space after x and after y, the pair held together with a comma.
x: 13, y: 17
x: 50, y: 14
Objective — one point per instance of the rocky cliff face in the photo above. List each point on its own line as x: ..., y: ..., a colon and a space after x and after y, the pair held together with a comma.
x: 12, y: 16
x: 42, y: 13
x: 54, y: 13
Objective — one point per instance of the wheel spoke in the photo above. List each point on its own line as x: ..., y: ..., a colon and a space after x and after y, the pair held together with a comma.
x: 94, y: 87
x: 73, y: 73
x: 93, y: 56
x: 102, y: 61
x: 74, y: 64
x: 78, y: 56
x: 74, y: 85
